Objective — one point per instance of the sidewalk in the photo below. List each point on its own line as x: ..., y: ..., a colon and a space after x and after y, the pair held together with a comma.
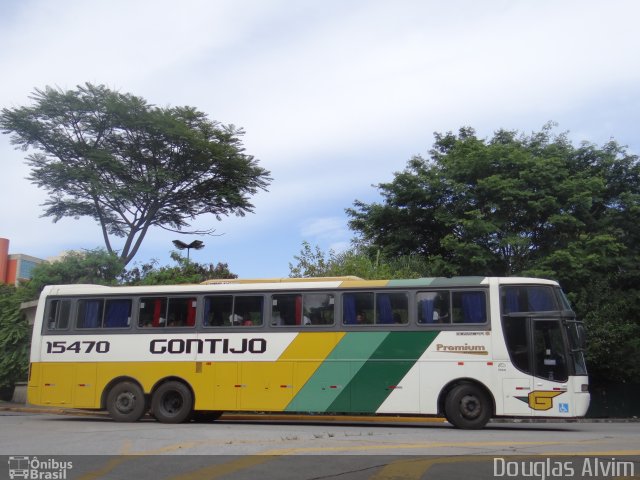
x: 28, y: 408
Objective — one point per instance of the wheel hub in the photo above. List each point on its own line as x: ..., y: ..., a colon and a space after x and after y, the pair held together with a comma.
x: 126, y: 402
x: 470, y: 407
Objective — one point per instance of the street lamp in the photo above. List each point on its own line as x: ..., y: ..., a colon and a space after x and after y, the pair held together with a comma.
x: 196, y: 245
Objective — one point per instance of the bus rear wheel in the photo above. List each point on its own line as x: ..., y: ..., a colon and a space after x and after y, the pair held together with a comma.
x: 172, y: 402
x: 468, y: 407
x: 126, y: 402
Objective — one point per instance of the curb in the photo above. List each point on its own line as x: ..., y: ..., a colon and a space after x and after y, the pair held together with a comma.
x: 310, y: 418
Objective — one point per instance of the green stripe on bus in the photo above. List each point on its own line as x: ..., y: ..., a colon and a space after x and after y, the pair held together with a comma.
x: 377, y: 378
x: 334, y: 375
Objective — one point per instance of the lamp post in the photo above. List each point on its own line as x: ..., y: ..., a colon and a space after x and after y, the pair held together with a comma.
x: 196, y: 245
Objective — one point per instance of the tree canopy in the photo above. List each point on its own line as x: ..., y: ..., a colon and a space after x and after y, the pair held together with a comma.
x: 185, y: 271
x: 509, y: 205
x: 131, y: 165
x: 91, y: 266
x: 313, y: 262
x: 519, y: 204
x: 14, y: 339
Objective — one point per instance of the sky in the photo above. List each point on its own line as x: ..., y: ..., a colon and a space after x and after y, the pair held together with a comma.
x: 334, y: 96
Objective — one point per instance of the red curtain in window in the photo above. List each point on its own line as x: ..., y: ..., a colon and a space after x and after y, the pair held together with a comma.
x: 298, y: 310
x: 191, y: 313
x: 157, y: 312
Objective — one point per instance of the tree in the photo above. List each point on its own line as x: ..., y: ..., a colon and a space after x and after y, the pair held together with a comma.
x: 131, y: 165
x: 509, y: 205
x: 14, y: 339
x: 313, y: 262
x: 92, y: 266
x: 520, y: 204
x: 185, y: 271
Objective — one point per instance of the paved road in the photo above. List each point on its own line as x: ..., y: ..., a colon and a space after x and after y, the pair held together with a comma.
x: 312, y: 449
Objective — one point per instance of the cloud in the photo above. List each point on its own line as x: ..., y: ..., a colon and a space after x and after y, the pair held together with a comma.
x: 324, y: 228
x: 334, y: 96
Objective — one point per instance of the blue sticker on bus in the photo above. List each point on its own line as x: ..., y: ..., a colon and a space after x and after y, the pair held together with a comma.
x: 563, y: 407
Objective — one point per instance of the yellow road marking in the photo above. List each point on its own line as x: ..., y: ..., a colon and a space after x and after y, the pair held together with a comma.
x: 414, y: 469
x: 402, y: 469
x: 220, y: 469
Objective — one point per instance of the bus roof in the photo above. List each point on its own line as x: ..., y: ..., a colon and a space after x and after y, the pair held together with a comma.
x: 292, y: 283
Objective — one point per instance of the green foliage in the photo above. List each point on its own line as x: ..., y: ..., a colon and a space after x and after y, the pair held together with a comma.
x: 185, y: 271
x: 91, y: 266
x: 130, y: 165
x: 313, y: 262
x: 95, y: 267
x: 504, y: 206
x: 14, y: 338
x: 613, y: 329
x: 520, y: 204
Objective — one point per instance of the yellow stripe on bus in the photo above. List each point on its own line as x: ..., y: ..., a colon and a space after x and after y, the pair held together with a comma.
x: 311, y: 346
x: 220, y: 385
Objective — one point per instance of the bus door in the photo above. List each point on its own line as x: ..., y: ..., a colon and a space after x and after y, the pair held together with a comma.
x: 539, y: 356
x: 550, y: 367
x: 538, y: 352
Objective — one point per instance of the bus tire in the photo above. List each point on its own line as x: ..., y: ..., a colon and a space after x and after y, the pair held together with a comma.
x: 467, y: 406
x: 126, y: 402
x: 172, y: 402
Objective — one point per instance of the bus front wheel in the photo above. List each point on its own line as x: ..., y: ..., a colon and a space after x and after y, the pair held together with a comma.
x: 126, y: 402
x: 172, y: 402
x: 468, y: 407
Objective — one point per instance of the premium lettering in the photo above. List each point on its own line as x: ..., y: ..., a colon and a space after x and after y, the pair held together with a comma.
x: 208, y: 345
x: 466, y: 348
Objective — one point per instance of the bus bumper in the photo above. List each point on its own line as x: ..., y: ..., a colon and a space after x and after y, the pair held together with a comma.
x: 581, y: 395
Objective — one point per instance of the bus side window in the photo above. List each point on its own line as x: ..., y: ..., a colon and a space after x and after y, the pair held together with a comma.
x: 533, y: 298
x: 153, y: 312
x: 286, y: 309
x: 58, y: 314
x: 358, y: 308
x: 90, y: 313
x: 392, y: 308
x: 469, y: 307
x: 318, y: 309
x: 117, y: 313
x: 516, y: 338
x: 181, y: 312
x: 433, y: 307
x: 248, y: 310
x: 218, y: 310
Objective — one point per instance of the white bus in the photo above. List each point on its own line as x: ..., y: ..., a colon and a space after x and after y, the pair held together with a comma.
x: 468, y: 348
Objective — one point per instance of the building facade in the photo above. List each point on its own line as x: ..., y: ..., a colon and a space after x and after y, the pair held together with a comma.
x: 16, y: 267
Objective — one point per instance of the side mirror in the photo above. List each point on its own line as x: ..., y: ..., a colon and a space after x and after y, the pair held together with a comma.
x: 582, y: 336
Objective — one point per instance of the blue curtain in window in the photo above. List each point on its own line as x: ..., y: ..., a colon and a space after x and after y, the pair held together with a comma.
x: 511, y: 300
x: 426, y: 308
x: 540, y: 300
x: 91, y: 314
x: 473, y: 307
x: 385, y: 312
x: 118, y: 312
x: 349, y: 309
